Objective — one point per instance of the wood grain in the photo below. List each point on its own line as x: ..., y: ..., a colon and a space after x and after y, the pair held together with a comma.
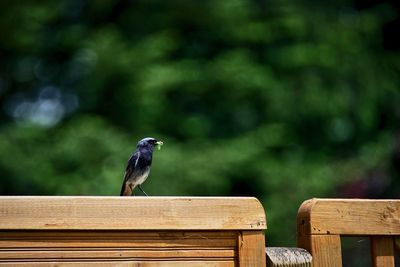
x: 382, y: 248
x: 40, y: 240
x: 349, y: 217
x: 326, y: 251
x: 64, y: 246
x: 321, y: 222
x: 288, y: 257
x: 251, y: 249
x: 140, y: 213
x: 123, y: 264
x: 137, y: 254
x: 133, y: 231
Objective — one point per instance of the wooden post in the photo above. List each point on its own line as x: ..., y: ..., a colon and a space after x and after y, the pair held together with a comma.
x: 251, y: 248
x: 326, y: 250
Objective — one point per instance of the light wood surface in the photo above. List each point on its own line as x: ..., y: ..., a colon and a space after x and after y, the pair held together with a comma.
x: 326, y: 251
x: 321, y: 222
x: 72, y: 246
x: 38, y: 240
x: 251, y: 248
x: 140, y: 213
x: 350, y: 216
x: 134, y: 231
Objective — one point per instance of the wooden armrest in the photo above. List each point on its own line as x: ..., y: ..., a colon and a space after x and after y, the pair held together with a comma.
x: 290, y: 257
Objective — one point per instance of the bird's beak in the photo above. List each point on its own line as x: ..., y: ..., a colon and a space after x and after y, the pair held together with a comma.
x: 159, y: 144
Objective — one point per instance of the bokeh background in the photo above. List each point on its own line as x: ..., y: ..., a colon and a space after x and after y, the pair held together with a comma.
x: 283, y: 100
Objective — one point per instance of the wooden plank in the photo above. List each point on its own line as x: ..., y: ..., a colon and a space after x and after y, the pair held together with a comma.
x: 382, y: 248
x: 251, y: 245
x: 117, y: 239
x: 325, y: 250
x: 122, y: 245
x: 349, y: 217
x: 140, y: 213
x: 109, y: 254
x: 124, y: 264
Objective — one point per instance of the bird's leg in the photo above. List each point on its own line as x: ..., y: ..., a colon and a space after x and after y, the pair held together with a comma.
x: 130, y: 185
x: 142, y: 190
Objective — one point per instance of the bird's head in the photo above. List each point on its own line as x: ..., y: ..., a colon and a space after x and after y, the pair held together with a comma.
x: 149, y: 143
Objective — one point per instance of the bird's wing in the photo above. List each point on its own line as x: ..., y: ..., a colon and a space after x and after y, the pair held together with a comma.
x: 130, y: 168
x: 132, y: 163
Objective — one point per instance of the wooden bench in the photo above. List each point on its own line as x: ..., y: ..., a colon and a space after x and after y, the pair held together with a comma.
x: 321, y: 223
x: 134, y: 231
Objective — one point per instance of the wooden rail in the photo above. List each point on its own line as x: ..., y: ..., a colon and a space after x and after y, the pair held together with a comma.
x: 321, y: 223
x: 136, y: 231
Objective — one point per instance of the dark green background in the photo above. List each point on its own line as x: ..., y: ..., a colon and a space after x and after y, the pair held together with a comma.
x: 282, y: 100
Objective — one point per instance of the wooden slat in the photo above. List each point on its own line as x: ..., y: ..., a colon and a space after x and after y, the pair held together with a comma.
x: 349, y: 217
x: 251, y: 245
x: 124, y: 264
x: 66, y: 255
x: 122, y: 245
x: 382, y: 248
x: 326, y: 251
x: 140, y: 213
x: 117, y: 239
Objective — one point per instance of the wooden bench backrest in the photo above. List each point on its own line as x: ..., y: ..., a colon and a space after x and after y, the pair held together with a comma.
x: 321, y: 223
x: 131, y: 231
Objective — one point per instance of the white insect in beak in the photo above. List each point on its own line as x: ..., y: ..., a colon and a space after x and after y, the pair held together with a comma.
x: 159, y: 144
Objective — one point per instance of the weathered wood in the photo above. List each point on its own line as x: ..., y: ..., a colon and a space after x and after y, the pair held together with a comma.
x: 349, y: 217
x: 251, y: 248
x: 288, y: 257
x: 116, y: 213
x: 382, y: 248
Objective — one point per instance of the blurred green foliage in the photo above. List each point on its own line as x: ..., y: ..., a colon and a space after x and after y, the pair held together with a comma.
x: 282, y: 100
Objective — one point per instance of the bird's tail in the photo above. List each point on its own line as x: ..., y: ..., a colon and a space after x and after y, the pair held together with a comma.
x: 126, y: 190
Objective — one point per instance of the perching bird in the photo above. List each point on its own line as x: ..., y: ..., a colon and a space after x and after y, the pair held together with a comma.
x: 139, y: 165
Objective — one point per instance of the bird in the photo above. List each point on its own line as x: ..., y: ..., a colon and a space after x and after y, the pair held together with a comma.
x: 139, y: 164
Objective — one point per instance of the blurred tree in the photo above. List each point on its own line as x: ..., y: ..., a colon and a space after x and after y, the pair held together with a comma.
x: 280, y: 100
